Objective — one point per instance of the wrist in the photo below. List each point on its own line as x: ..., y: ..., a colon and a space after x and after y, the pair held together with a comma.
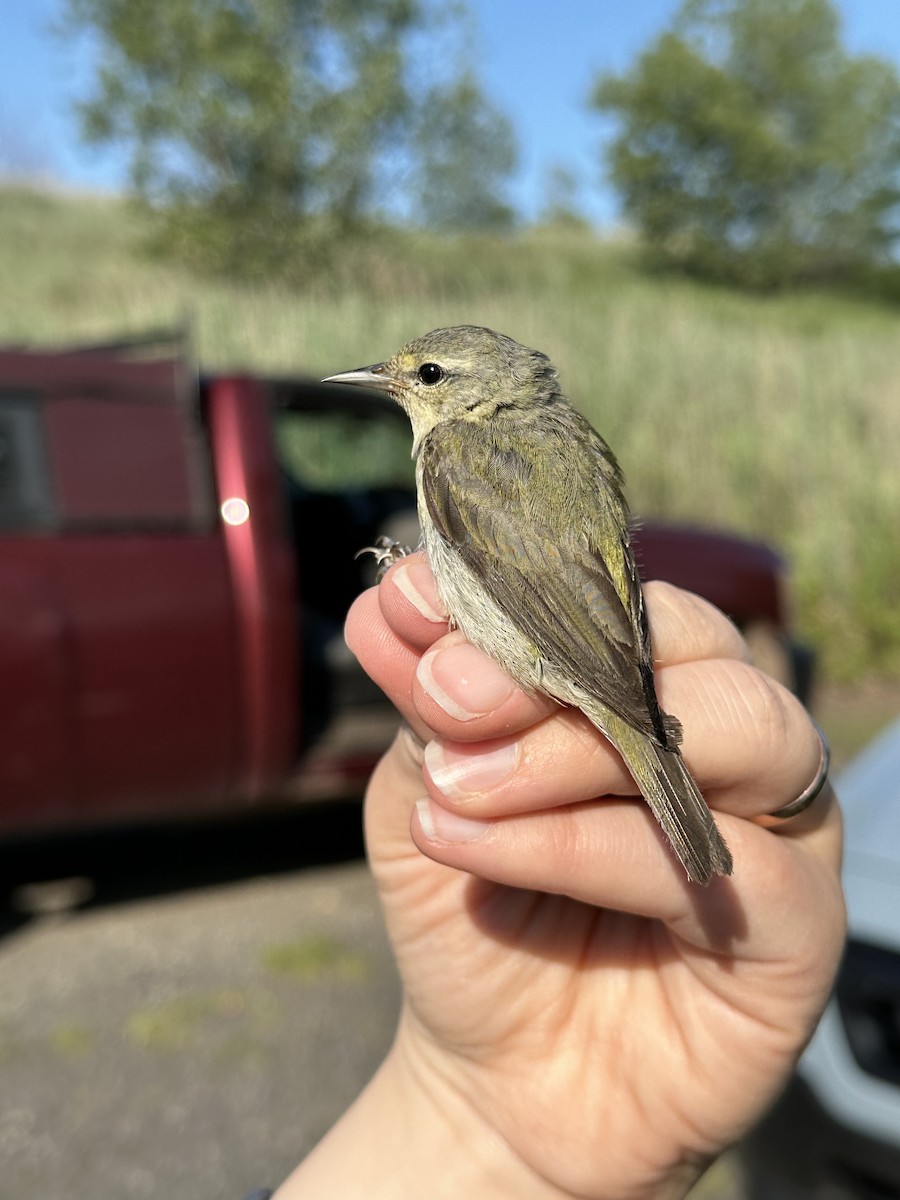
x: 410, y: 1133
x: 414, y: 1131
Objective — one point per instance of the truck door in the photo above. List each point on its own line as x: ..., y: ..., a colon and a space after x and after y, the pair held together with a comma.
x: 116, y: 626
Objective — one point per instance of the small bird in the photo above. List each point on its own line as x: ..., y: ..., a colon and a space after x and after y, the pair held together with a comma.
x: 525, y: 524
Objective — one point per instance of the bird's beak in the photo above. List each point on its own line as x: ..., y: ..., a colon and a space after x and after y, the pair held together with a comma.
x: 376, y: 376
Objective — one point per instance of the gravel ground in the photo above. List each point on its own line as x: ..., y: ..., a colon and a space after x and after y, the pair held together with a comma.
x: 191, y: 1044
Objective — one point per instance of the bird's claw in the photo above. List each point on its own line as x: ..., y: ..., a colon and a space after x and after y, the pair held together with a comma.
x: 386, y: 551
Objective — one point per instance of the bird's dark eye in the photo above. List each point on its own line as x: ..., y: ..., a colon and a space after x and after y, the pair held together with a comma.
x: 430, y: 373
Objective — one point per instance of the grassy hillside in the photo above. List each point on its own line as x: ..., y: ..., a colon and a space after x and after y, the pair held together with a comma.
x: 775, y: 416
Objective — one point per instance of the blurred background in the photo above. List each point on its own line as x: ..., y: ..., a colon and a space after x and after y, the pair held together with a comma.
x: 693, y: 208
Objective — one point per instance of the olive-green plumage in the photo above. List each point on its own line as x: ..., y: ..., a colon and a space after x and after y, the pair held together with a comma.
x: 526, y: 527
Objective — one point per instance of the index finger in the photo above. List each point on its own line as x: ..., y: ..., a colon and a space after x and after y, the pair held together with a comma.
x: 683, y: 626
x: 410, y: 603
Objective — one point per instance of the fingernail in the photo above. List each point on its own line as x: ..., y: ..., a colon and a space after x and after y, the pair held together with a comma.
x: 463, y: 681
x: 415, y: 581
x: 444, y: 826
x: 462, y: 772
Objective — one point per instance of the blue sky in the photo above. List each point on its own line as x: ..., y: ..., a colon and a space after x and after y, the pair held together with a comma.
x: 537, y: 62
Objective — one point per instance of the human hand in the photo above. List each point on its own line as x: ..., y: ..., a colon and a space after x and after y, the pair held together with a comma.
x: 597, y: 1025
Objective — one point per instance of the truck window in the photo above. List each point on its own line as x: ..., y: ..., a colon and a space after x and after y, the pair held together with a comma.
x: 126, y: 463
x: 26, y: 500
x: 98, y: 459
x: 334, y: 451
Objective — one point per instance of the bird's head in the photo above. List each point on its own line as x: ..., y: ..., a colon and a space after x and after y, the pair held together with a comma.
x: 463, y: 373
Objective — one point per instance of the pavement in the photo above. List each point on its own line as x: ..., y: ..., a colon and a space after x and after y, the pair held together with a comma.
x: 166, y: 1032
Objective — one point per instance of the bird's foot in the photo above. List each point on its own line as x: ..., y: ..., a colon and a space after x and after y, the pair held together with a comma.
x: 386, y: 551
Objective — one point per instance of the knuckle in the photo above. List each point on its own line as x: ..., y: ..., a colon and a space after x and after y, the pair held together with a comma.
x: 767, y: 709
x: 570, y: 840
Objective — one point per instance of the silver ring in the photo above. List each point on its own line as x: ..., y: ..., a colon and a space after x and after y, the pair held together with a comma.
x: 806, y: 797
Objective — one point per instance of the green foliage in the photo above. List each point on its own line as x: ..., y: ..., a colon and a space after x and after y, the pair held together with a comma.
x: 247, y: 121
x: 560, y: 208
x: 465, y: 151
x: 264, y: 134
x: 791, y: 402
x: 754, y: 148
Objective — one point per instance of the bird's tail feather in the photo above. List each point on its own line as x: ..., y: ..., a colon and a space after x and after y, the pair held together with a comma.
x: 677, y: 804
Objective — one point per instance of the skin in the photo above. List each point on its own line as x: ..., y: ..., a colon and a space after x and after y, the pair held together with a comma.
x: 578, y: 1020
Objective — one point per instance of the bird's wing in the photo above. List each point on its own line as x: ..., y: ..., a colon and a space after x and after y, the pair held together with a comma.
x: 564, y: 573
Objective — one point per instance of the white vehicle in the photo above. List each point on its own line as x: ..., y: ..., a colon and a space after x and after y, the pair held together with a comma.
x: 835, y: 1133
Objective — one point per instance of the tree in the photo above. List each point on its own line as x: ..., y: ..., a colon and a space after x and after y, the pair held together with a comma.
x: 263, y: 131
x: 754, y: 147
x: 464, y: 151
x: 560, y: 209
x: 249, y: 121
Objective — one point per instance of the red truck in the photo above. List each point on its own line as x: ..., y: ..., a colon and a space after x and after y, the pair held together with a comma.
x: 176, y: 558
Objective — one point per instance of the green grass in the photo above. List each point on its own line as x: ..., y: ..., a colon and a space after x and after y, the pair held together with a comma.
x: 72, y: 1041
x: 186, y: 1019
x: 775, y: 416
x: 314, y: 957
